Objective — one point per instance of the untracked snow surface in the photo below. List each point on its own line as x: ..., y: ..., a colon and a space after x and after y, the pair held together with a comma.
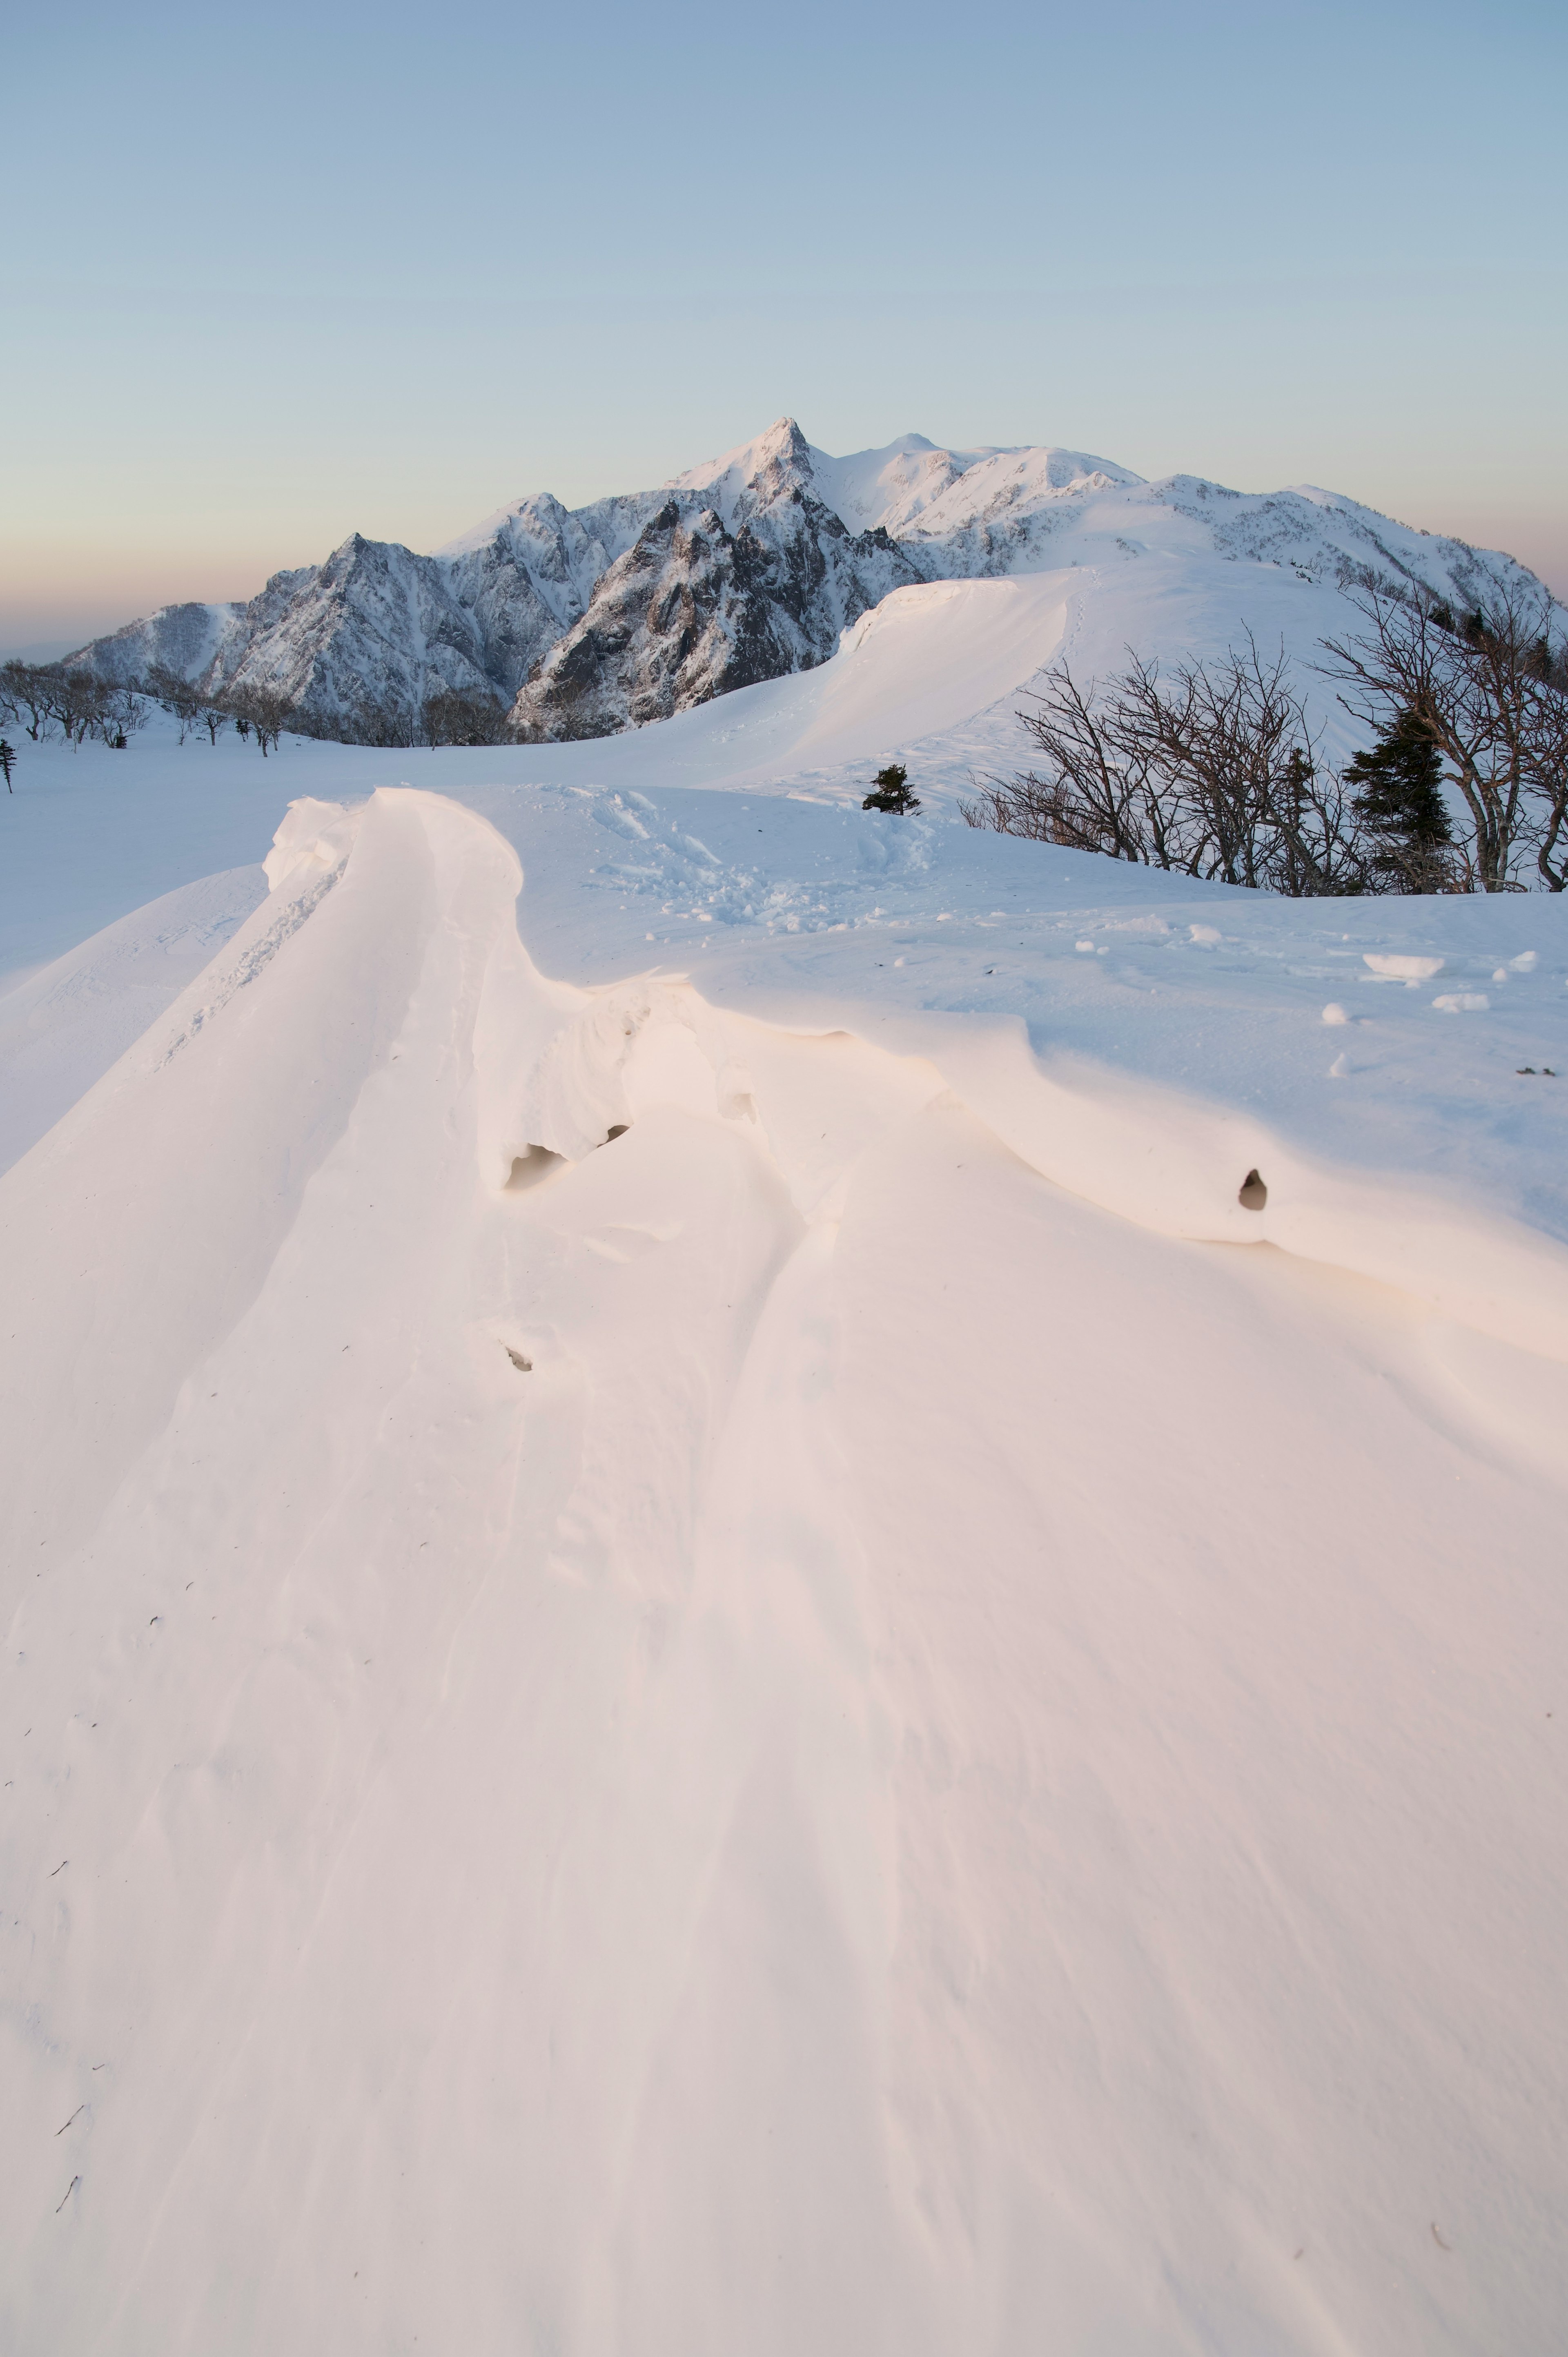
x: 706, y: 1655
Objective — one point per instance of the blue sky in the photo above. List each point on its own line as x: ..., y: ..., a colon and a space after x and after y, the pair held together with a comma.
x: 273, y: 277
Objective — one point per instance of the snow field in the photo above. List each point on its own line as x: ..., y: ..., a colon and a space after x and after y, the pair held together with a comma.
x: 944, y: 1760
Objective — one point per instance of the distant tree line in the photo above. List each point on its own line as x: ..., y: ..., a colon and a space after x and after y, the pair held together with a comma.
x: 1213, y: 769
x: 61, y: 702
x: 47, y: 701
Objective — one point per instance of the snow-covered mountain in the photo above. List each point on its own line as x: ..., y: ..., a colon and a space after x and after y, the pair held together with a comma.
x: 749, y: 566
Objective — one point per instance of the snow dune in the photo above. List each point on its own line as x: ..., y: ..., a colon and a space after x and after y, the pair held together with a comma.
x: 922, y: 664
x: 827, y: 1724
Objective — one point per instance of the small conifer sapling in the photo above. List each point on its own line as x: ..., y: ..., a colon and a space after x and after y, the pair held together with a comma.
x: 892, y: 792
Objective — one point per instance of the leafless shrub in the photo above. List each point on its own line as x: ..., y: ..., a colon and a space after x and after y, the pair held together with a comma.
x: 1209, y: 770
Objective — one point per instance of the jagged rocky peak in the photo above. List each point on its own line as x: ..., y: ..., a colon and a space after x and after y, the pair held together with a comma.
x: 755, y: 473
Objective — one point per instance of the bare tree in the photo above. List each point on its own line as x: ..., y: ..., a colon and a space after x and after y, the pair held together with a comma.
x: 452, y: 717
x: 1209, y: 770
x: 1093, y: 789
x: 261, y: 709
x: 30, y: 689
x: 1546, y: 763
x: 123, y: 710
x: 1485, y: 693
x: 1227, y: 741
x: 387, y: 723
x: 82, y: 707
x: 178, y: 698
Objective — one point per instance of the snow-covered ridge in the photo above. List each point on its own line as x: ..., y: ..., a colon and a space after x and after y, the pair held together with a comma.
x: 891, y: 489
x: 822, y: 1725
x: 746, y: 567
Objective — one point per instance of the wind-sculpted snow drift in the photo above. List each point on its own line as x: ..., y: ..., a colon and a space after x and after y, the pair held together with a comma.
x: 679, y: 1683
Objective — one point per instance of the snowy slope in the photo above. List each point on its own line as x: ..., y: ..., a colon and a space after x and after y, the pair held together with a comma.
x: 952, y: 1762
x: 191, y: 641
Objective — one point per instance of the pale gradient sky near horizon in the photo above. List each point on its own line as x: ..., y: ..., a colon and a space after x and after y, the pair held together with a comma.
x: 273, y: 278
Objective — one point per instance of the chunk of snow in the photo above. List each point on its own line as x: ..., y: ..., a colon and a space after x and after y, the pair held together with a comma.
x: 1400, y: 968
x: 1462, y: 1002
x: 1335, y: 1013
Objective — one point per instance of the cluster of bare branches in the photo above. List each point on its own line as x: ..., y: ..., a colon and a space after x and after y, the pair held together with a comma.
x: 259, y: 712
x: 448, y: 718
x: 1489, y: 693
x: 1213, y: 769
x: 452, y: 717
x: 1207, y: 770
x: 48, y: 700
x: 59, y: 700
x: 255, y: 712
x: 188, y: 705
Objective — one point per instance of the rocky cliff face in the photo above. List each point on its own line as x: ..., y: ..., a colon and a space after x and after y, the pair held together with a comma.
x: 693, y: 609
x: 582, y: 622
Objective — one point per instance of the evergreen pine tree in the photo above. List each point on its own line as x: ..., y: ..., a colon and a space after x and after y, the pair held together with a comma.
x: 1399, y: 799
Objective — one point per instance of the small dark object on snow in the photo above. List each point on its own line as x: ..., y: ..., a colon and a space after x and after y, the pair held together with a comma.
x: 617, y: 1129
x: 1545, y: 1072
x: 7, y: 762
x: 1254, y: 1194
x: 892, y: 792
x: 524, y: 1366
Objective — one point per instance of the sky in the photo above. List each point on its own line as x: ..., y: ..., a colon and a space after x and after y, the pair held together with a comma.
x: 271, y: 279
